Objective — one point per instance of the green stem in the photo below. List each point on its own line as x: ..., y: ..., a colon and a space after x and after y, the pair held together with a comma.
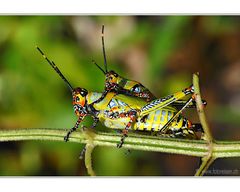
x: 89, y: 135
x: 198, y: 148
x: 201, y: 114
x: 206, y: 162
x: 208, y: 159
x: 88, y: 159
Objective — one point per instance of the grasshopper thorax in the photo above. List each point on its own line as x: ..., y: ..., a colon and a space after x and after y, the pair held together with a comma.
x: 79, y: 101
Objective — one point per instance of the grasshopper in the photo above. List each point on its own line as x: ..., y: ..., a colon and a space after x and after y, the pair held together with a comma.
x: 121, y: 111
x: 116, y: 83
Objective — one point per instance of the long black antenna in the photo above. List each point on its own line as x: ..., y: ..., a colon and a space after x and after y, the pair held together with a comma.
x: 99, y: 67
x: 55, y: 68
x: 103, y: 48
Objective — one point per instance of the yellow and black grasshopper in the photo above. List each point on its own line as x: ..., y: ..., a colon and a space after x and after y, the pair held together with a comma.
x: 120, y: 85
x: 115, y: 83
x: 121, y: 111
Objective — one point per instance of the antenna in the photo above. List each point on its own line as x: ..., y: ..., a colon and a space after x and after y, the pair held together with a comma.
x: 99, y: 67
x: 103, y: 48
x: 55, y: 68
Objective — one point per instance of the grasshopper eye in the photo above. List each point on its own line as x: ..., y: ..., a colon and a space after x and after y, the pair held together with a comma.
x: 83, y: 93
x: 77, y: 99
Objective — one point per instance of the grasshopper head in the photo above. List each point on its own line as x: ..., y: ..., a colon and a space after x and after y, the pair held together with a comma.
x: 78, y: 94
x: 111, y: 79
x: 79, y: 100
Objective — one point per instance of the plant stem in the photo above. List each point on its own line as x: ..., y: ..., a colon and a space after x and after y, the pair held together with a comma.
x: 200, y: 107
x: 88, y: 159
x: 206, y: 162
x: 198, y: 148
x: 89, y: 135
x: 209, y: 158
x: 208, y: 149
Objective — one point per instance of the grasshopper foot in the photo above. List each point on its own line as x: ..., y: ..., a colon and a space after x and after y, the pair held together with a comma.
x: 66, y: 138
x: 119, y: 145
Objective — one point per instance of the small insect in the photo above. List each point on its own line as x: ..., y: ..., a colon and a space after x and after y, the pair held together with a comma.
x: 115, y: 83
x: 120, y: 111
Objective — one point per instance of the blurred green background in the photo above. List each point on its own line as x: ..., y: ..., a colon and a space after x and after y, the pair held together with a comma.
x: 162, y: 52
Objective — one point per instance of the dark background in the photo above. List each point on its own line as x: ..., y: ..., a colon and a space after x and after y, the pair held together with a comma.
x: 162, y: 52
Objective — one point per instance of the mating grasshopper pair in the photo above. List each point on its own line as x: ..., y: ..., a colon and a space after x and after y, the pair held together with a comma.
x: 128, y: 105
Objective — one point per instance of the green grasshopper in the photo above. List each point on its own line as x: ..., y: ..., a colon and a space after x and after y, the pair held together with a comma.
x: 120, y: 111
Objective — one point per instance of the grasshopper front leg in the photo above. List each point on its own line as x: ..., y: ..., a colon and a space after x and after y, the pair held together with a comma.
x: 80, y: 119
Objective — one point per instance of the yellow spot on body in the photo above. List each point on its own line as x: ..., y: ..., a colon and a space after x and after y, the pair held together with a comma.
x: 157, y: 119
x: 150, y: 121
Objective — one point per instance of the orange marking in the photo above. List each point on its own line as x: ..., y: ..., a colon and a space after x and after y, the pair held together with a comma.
x: 189, y: 124
x: 82, y: 102
x: 122, y: 115
x: 193, y: 96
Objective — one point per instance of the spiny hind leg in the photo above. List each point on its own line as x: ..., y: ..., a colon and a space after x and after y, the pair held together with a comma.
x: 165, y: 127
x: 180, y: 104
x: 187, y: 103
x: 165, y: 101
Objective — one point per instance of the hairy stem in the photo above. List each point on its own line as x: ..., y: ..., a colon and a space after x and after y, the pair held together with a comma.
x: 198, y: 148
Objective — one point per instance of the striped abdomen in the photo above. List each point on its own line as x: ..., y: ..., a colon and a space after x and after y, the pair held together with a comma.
x: 155, y: 120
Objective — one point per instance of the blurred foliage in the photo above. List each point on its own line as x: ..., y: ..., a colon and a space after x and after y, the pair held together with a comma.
x: 160, y: 51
